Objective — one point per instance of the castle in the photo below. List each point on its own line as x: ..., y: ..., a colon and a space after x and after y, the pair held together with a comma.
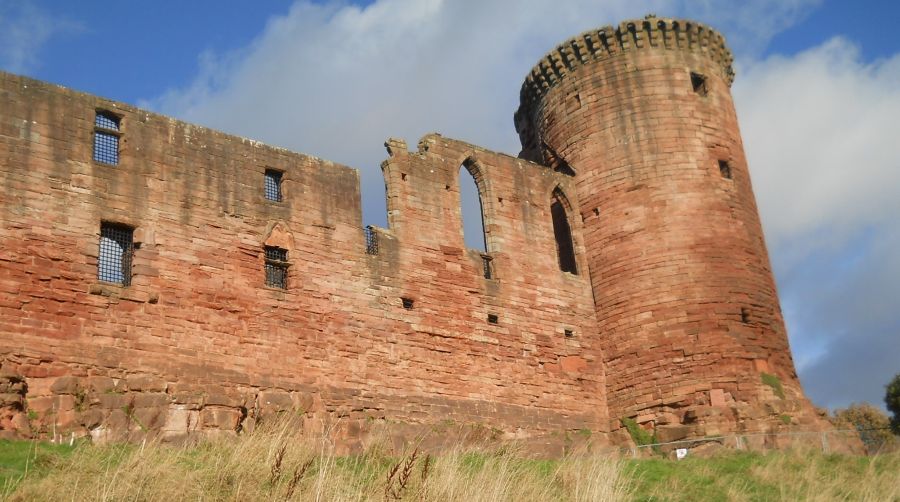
x: 162, y: 278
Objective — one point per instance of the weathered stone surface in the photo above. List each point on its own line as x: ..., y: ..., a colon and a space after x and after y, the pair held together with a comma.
x: 271, y: 401
x: 667, y: 433
x: 657, y: 318
x: 145, y: 383
x: 114, y: 401
x: 11, y: 400
x: 66, y: 385
x: 181, y: 420
x: 150, y: 400
x: 215, y: 417
x: 91, y: 418
x: 100, y: 384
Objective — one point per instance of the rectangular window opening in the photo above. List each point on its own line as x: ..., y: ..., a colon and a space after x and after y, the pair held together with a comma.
x: 276, y: 267
x: 698, y: 83
x: 273, y: 185
x: 407, y: 303
x: 745, y: 315
x: 725, y: 169
x: 106, y: 138
x: 569, y: 333
x: 493, y: 319
x: 116, y: 252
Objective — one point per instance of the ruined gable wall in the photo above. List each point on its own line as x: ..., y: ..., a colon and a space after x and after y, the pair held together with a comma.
x: 198, y: 342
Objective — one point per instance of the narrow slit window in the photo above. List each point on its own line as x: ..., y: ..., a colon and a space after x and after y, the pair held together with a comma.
x: 276, y: 267
x: 106, y: 138
x: 116, y: 252
x: 698, y: 83
x: 273, y: 185
x: 725, y: 169
x: 562, y: 232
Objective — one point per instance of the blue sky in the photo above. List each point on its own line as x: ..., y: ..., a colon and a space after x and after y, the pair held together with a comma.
x: 817, y: 93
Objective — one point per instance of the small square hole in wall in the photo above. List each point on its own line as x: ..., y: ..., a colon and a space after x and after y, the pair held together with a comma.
x: 725, y: 169
x: 407, y: 303
x: 569, y: 333
x: 493, y: 319
x: 698, y: 83
x: 745, y: 315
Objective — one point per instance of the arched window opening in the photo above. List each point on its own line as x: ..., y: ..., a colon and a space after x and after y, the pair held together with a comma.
x: 472, y: 214
x: 565, y: 248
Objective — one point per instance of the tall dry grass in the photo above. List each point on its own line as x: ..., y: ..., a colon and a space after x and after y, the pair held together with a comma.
x: 275, y: 463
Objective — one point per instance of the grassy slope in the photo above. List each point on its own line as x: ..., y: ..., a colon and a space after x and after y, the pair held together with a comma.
x: 773, y: 476
x: 273, y: 464
x: 18, y: 458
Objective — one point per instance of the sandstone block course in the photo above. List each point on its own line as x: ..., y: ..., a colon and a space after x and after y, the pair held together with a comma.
x: 238, y: 305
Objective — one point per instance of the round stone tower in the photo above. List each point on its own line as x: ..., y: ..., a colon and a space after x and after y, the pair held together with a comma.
x: 642, y: 116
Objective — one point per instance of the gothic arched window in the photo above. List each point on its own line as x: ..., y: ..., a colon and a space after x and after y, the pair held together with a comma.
x: 562, y: 232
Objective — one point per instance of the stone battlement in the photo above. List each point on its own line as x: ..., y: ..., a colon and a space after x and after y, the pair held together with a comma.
x: 608, y: 41
x: 159, y: 278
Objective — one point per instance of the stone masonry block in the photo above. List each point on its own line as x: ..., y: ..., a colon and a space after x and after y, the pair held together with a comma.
x: 145, y: 383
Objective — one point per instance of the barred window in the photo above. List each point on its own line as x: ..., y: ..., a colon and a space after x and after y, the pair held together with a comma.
x: 106, y: 138
x: 276, y: 267
x: 273, y: 185
x: 116, y: 251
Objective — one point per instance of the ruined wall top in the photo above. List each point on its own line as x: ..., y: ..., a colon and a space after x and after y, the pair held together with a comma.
x: 635, y: 34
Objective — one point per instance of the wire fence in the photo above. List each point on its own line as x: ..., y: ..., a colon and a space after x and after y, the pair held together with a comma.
x: 830, y: 441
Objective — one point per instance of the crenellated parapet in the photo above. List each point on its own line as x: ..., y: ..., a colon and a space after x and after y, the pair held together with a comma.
x: 638, y: 34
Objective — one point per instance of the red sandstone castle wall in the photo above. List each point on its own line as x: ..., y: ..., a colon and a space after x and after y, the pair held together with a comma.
x: 198, y: 342
x: 687, y: 309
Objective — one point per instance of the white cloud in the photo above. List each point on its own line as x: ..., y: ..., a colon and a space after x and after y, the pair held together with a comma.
x: 24, y: 29
x: 335, y: 80
x: 819, y: 129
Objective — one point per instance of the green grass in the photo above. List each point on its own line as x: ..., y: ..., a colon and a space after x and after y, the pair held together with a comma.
x: 736, y: 475
x: 244, y: 468
x: 638, y: 434
x: 18, y: 458
x: 700, y: 479
x: 774, y: 382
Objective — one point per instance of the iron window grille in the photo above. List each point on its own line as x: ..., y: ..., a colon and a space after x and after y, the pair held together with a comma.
x: 371, y: 240
x: 488, y: 266
x: 106, y: 138
x: 116, y: 253
x: 276, y: 267
x: 273, y: 185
